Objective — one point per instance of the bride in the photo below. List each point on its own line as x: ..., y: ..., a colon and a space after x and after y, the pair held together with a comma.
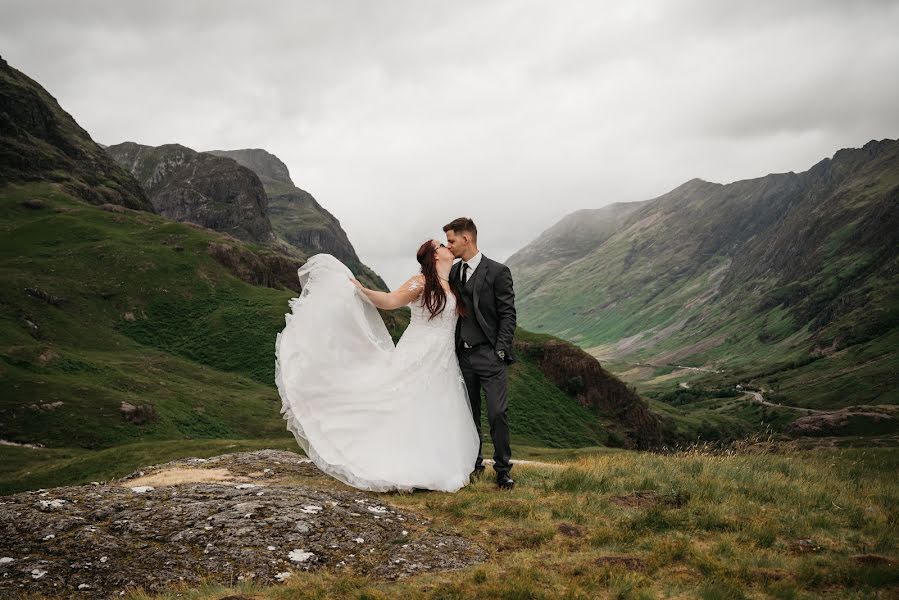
x: 373, y: 415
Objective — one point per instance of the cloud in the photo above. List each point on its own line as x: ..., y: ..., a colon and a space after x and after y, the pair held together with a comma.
x: 402, y: 115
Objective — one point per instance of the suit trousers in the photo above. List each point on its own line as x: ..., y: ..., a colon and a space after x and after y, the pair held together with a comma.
x: 482, y: 368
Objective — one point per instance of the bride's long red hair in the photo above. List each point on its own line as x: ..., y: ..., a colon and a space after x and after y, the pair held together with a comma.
x: 434, y: 294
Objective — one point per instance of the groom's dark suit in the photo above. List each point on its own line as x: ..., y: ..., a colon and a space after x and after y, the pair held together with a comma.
x: 489, y: 326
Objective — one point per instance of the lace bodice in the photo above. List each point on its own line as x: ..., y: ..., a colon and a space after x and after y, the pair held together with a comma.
x: 428, y: 344
x: 445, y: 321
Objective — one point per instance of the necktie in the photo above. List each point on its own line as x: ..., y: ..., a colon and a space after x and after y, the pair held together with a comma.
x: 464, y: 273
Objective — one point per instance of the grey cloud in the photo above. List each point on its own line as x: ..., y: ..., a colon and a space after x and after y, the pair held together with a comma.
x: 401, y: 115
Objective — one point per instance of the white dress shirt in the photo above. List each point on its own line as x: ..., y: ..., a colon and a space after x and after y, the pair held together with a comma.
x: 472, y: 263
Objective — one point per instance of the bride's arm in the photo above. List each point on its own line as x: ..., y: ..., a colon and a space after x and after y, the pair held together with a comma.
x: 401, y: 296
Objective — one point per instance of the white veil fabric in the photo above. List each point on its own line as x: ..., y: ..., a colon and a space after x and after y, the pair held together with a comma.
x: 373, y: 415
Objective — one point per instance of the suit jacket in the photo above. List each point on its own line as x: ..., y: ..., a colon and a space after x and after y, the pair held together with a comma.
x: 494, y: 303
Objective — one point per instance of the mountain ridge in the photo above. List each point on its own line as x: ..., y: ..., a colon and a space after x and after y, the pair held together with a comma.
x: 773, y: 270
x: 212, y: 191
x: 39, y: 141
x: 270, y: 169
x: 290, y: 206
x: 246, y: 193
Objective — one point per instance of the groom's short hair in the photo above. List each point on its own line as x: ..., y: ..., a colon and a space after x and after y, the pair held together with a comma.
x: 463, y: 225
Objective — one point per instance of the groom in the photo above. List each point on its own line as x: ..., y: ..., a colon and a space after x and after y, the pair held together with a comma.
x: 484, y: 338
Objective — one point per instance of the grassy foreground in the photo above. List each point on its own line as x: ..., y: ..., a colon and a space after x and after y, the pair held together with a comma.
x: 754, y: 523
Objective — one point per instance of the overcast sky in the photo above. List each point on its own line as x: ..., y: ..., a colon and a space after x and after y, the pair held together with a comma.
x: 400, y: 116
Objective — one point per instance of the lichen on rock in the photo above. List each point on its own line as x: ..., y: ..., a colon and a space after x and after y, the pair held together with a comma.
x: 99, y: 539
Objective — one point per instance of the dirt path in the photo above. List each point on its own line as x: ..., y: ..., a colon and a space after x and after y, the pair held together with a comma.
x: 697, y: 369
x: 532, y: 463
x: 758, y: 398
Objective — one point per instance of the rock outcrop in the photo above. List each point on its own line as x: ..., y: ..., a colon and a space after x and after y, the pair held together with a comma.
x: 197, y: 187
x: 248, y: 516
x: 296, y: 215
x: 266, y: 268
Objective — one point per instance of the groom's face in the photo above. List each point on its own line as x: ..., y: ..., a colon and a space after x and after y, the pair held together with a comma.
x: 456, y: 243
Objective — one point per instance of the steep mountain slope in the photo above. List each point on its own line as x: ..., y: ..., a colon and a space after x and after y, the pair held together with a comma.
x: 572, y: 238
x: 295, y: 215
x: 200, y: 188
x: 245, y: 193
x: 761, y: 277
x: 39, y: 141
x: 271, y: 170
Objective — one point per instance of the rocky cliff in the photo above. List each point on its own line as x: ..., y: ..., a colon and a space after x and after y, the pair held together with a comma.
x: 295, y: 214
x: 199, y: 188
x: 271, y: 170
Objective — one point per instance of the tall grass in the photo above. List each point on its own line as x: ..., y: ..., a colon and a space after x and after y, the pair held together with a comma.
x: 695, y: 523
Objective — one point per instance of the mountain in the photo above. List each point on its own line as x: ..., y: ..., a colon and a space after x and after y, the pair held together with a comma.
x: 245, y: 193
x: 572, y: 238
x: 271, y: 170
x: 120, y: 326
x: 39, y: 141
x: 295, y: 215
x: 788, y: 280
x: 200, y: 188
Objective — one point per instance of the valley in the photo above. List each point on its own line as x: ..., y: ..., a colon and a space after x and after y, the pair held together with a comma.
x: 786, y: 283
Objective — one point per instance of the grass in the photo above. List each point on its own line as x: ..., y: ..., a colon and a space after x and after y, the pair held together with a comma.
x: 542, y: 412
x: 624, y: 524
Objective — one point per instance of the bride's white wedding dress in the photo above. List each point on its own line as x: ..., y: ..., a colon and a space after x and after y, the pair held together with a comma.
x: 373, y: 415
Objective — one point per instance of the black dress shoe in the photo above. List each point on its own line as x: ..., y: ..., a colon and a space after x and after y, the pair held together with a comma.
x: 504, y: 481
x: 478, y: 471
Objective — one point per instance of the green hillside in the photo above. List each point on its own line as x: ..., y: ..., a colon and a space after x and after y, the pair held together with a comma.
x: 786, y: 282
x: 576, y: 235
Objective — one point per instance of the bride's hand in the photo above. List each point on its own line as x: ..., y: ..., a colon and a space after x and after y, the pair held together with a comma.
x: 356, y: 283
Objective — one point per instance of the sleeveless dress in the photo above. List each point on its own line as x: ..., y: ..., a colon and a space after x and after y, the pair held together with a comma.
x: 373, y: 415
